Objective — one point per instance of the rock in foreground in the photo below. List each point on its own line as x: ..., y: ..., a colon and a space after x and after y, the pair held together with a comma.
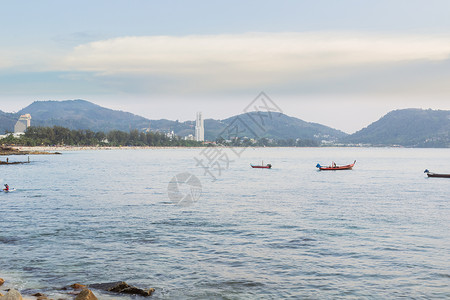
x: 122, y: 287
x: 12, y: 295
x: 86, y: 294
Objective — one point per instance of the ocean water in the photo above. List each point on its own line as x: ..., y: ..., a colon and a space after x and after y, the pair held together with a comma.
x: 381, y: 230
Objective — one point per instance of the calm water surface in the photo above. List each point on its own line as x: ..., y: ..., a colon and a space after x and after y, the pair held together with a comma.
x: 381, y: 230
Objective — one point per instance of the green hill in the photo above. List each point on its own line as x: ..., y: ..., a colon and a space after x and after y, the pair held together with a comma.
x: 81, y: 114
x: 273, y: 126
x: 407, y: 127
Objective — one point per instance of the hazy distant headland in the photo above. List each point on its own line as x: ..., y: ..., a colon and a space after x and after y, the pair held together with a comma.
x: 406, y: 127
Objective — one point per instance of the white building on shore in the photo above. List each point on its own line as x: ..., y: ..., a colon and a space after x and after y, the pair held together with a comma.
x: 190, y: 137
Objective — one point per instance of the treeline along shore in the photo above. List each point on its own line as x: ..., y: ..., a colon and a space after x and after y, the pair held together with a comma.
x: 61, y: 136
x: 56, y: 135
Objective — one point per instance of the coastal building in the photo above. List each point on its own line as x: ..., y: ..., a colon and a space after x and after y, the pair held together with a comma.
x: 199, y: 129
x: 22, y: 124
x: 170, y: 135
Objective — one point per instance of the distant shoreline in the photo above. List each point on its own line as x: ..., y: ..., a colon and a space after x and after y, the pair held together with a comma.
x: 30, y: 150
x: 42, y: 149
x: 81, y: 148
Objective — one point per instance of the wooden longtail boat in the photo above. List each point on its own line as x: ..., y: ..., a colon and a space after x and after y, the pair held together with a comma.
x: 334, y: 167
x: 431, y: 174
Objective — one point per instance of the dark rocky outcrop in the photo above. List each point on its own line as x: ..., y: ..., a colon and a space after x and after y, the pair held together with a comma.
x: 122, y: 287
x: 78, y: 286
x: 40, y: 296
x: 82, y: 292
x: 6, y: 150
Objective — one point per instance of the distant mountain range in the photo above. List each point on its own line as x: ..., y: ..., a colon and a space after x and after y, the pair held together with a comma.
x: 81, y: 114
x: 407, y: 127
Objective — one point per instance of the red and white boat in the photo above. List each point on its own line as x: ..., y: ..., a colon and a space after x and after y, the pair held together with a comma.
x: 335, y: 167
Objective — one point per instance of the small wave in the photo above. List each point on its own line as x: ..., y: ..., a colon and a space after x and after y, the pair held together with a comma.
x: 287, y: 226
x: 235, y: 284
x: 292, y: 244
x: 443, y: 275
x: 248, y: 196
x: 9, y: 240
x: 268, y: 213
x: 146, y: 241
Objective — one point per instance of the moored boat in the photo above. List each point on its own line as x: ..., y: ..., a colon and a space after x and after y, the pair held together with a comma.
x: 431, y: 174
x: 262, y: 166
x: 335, y: 167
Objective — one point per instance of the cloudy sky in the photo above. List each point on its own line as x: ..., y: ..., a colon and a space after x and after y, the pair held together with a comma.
x: 340, y: 63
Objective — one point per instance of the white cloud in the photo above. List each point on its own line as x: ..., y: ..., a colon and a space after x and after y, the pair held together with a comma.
x: 251, y: 52
x: 251, y: 61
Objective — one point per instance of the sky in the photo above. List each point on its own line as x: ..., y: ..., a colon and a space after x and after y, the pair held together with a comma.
x: 342, y: 63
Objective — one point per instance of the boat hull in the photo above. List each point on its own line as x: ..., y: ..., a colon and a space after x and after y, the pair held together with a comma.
x: 336, y: 169
x: 438, y: 175
x: 261, y: 167
x: 431, y: 174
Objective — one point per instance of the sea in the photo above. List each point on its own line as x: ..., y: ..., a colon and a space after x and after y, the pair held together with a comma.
x: 200, y: 223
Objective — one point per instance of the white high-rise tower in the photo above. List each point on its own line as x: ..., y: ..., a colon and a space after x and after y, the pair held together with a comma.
x: 199, y: 130
x: 23, y: 123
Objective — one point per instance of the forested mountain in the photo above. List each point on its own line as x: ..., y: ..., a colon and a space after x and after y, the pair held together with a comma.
x: 271, y: 125
x: 407, y: 127
x: 81, y: 114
